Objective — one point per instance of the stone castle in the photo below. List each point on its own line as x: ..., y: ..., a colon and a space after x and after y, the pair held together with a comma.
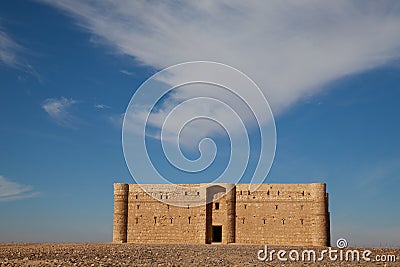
x: 279, y: 214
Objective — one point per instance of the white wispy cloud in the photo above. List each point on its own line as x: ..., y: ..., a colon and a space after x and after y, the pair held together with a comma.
x: 101, y: 106
x: 291, y: 49
x: 10, y: 191
x: 9, y: 50
x: 58, y: 109
x: 11, y: 55
x: 126, y: 72
x: 116, y: 119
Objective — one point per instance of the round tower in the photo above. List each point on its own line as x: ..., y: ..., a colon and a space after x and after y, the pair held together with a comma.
x: 231, y: 214
x: 321, y: 235
x: 120, y: 212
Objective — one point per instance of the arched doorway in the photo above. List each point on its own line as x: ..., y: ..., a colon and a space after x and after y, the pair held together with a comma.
x: 220, y: 224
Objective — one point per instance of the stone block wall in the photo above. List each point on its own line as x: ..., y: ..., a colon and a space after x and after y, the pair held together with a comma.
x: 285, y: 214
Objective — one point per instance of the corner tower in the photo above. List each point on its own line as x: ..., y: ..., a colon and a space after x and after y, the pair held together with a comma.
x: 321, y: 233
x: 120, y: 213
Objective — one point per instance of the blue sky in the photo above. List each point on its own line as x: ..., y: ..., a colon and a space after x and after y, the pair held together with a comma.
x: 330, y: 71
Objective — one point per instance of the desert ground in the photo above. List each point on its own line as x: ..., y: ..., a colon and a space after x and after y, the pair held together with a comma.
x: 108, y: 254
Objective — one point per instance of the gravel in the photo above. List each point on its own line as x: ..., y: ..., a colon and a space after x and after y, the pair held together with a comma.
x: 109, y: 254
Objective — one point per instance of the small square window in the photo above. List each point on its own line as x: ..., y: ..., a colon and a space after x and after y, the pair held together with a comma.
x: 217, y: 205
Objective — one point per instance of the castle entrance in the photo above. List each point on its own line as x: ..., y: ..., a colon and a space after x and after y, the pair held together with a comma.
x: 220, y: 213
x: 217, y: 233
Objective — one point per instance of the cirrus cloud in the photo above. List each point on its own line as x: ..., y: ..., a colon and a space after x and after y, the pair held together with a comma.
x: 290, y: 48
x: 9, y: 50
x: 11, y: 54
x: 58, y: 110
x: 10, y: 190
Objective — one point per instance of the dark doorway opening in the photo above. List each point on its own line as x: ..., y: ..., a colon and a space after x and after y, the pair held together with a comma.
x: 217, y: 234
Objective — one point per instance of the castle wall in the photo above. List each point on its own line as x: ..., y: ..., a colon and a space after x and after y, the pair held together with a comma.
x: 152, y: 221
x: 288, y: 214
x: 284, y: 214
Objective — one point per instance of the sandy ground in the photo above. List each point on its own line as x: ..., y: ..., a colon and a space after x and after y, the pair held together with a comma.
x: 108, y: 254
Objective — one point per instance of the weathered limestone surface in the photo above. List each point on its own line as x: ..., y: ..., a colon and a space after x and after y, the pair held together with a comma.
x: 279, y: 214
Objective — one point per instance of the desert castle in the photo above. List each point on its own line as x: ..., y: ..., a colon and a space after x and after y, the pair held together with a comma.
x: 281, y: 214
